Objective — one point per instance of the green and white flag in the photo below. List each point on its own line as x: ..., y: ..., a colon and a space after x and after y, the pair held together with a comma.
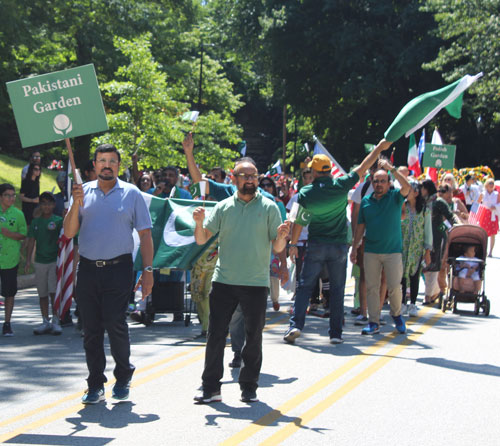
x: 242, y: 148
x: 190, y: 116
x: 420, y: 110
x: 173, y: 232
x: 198, y: 189
x: 369, y: 147
x: 275, y: 170
x: 299, y: 215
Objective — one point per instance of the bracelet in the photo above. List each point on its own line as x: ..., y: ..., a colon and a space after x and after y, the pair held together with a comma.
x: 293, y: 246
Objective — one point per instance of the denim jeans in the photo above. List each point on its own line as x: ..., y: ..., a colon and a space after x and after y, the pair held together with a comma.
x: 334, y: 256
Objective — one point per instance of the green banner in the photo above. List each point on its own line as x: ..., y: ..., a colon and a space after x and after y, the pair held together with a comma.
x: 58, y: 105
x: 439, y: 156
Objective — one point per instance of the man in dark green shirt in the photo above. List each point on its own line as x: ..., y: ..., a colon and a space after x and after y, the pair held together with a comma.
x: 325, y: 200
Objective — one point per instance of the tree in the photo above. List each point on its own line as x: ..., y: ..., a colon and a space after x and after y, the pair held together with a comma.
x: 145, y: 109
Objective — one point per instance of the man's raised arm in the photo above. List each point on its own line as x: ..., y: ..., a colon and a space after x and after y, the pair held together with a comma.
x: 372, y: 157
x: 194, y: 172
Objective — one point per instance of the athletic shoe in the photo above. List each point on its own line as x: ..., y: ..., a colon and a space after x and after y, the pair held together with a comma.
x: 67, y: 321
x: 236, y: 362
x: 404, y: 309
x: 400, y: 324
x: 136, y: 316
x: 336, y: 341
x: 7, y: 329
x: 205, y: 397
x: 56, y: 328
x: 361, y: 320
x: 249, y: 396
x: 291, y: 334
x: 413, y: 310
x: 276, y: 306
x: 121, y: 391
x: 355, y: 311
x: 44, y: 328
x: 371, y: 329
x: 93, y: 396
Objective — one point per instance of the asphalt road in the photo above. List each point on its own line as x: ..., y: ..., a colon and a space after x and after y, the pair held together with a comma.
x: 437, y: 385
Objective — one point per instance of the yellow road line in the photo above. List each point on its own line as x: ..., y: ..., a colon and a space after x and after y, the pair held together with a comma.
x: 275, y: 414
x: 135, y: 383
x: 312, y: 413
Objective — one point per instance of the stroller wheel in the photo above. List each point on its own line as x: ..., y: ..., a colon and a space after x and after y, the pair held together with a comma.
x: 487, y: 308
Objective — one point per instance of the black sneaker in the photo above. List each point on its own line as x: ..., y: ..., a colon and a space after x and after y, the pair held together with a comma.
x: 121, y: 391
x: 249, y: 396
x: 93, y: 396
x: 7, y: 329
x: 236, y: 362
x: 206, y: 397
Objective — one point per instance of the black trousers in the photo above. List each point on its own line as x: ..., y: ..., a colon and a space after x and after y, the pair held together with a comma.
x: 414, y: 285
x: 223, y: 301
x: 103, y: 295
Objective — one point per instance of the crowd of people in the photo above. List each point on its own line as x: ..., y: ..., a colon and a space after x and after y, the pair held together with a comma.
x: 395, y: 226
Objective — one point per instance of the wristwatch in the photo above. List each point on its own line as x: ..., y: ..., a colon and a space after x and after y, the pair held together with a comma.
x: 148, y: 269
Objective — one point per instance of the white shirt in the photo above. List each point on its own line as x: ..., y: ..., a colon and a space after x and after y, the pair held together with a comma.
x: 304, y: 235
x: 471, y: 193
x: 356, y: 196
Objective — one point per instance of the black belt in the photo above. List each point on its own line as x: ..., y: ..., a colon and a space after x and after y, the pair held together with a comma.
x: 101, y: 263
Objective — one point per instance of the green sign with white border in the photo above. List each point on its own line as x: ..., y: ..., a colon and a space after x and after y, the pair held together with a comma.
x: 440, y: 156
x: 58, y: 105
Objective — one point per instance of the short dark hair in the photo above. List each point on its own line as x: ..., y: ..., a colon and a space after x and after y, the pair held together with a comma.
x: 5, y: 187
x: 444, y: 188
x: 47, y: 196
x: 89, y: 166
x: 107, y: 148
x: 467, y: 177
x: 221, y: 170
x: 172, y: 169
x: 429, y: 186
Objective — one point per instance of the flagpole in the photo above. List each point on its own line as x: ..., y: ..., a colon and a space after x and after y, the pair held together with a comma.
x: 284, y: 139
x: 76, y: 175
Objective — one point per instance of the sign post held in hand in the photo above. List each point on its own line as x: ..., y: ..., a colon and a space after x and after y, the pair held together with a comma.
x: 59, y: 105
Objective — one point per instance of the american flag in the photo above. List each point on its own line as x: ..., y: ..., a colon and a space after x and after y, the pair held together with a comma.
x: 479, y: 215
x: 64, y: 271
x: 319, y: 149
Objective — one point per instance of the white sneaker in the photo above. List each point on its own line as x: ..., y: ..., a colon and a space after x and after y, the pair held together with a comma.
x: 413, y: 310
x: 291, y: 334
x: 44, y: 328
x: 56, y: 327
x: 404, y: 310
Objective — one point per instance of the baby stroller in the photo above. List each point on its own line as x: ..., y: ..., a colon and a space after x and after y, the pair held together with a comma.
x: 458, y: 238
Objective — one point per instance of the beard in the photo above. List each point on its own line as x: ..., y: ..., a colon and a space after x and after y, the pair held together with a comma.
x: 248, y: 189
x: 106, y: 175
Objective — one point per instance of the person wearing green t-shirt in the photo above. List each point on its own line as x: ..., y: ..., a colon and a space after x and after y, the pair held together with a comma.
x: 325, y: 202
x: 44, y: 234
x: 380, y: 216
x: 12, y: 233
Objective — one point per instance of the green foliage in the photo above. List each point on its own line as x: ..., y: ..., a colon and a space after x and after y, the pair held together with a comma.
x: 144, y: 111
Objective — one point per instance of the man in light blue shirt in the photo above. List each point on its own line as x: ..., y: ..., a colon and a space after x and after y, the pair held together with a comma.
x: 106, y: 211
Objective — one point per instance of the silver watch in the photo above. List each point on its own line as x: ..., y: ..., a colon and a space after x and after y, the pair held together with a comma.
x: 148, y: 269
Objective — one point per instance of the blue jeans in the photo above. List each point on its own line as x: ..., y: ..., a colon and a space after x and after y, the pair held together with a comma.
x: 334, y: 256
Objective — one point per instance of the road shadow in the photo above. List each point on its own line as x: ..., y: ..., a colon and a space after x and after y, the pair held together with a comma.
x: 481, y: 369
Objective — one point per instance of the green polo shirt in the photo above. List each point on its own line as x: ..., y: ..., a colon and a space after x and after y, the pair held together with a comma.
x: 46, y: 232
x: 245, y: 234
x: 382, y: 219
x: 12, y: 219
x: 326, y: 199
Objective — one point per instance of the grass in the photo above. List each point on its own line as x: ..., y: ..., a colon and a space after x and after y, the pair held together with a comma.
x: 10, y: 172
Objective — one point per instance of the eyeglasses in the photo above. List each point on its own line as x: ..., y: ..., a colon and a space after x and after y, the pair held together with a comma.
x: 10, y: 196
x: 36, y: 168
x: 246, y: 177
x: 266, y: 185
x: 379, y: 181
x: 36, y: 157
x: 145, y: 180
x: 112, y: 162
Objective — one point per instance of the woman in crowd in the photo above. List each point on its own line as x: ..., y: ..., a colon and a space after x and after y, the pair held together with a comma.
x: 416, y: 227
x: 491, y: 199
x: 145, y: 182
x: 453, y: 200
x: 269, y: 186
x: 440, y: 212
x: 30, y: 191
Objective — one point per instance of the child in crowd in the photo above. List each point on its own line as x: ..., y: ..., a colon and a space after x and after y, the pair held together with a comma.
x: 44, y: 233
x: 469, y: 269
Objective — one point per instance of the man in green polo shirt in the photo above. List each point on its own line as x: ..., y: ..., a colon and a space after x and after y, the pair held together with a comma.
x: 326, y: 201
x: 380, y: 215
x: 12, y: 233
x: 248, y: 225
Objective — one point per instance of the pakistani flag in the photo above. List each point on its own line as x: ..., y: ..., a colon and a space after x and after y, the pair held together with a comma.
x: 190, y: 116
x: 275, y: 170
x: 242, y: 148
x: 420, y: 110
x: 299, y: 215
x: 369, y: 147
x: 173, y: 232
x: 198, y: 189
